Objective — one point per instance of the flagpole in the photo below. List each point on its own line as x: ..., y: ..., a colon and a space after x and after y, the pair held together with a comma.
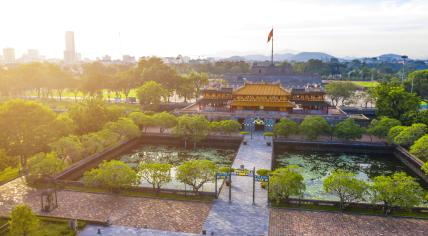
x: 272, y: 49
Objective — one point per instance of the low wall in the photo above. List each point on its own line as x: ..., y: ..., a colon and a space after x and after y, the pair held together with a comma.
x: 76, y: 170
x: 281, y: 145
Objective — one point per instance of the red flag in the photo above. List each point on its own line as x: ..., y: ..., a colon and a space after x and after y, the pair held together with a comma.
x: 270, y: 36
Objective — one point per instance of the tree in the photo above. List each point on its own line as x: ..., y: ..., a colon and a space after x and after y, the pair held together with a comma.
x: 92, y: 114
x: 314, y: 126
x: 150, y: 94
x: 185, y: 88
x: 393, y: 101
x: 348, y: 130
x: 425, y: 167
x: 192, y: 128
x: 420, y: 82
x: 124, y: 127
x: 165, y: 121
x: 394, y: 131
x: 22, y: 221
x: 398, y: 190
x: 225, y: 126
x: 68, y: 148
x: 25, y: 128
x: 44, y: 166
x: 286, y: 182
x: 96, y: 77
x: 196, y: 173
x: 410, y: 134
x: 156, y: 174
x: 92, y: 143
x: 420, y: 148
x: 285, y: 127
x: 346, y: 186
x: 199, y: 80
x: 6, y: 160
x: 63, y: 125
x: 142, y: 120
x: 112, y: 175
x: 380, y: 128
x: 340, y: 91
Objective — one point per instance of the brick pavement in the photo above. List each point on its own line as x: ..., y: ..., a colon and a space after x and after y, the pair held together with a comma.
x: 168, y: 215
x: 285, y: 222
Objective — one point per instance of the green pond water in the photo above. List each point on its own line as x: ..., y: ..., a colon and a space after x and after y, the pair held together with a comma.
x: 176, y: 156
x: 315, y: 167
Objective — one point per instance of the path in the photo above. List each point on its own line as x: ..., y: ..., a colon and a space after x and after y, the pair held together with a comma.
x: 241, y: 217
x: 115, y: 230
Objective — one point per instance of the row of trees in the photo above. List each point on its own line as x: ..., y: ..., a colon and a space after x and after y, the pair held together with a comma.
x: 115, y: 175
x: 314, y: 126
x: 397, y: 190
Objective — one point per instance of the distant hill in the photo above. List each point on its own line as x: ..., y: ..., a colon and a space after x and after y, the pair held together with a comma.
x: 306, y: 56
x: 300, y: 57
x: 390, y: 57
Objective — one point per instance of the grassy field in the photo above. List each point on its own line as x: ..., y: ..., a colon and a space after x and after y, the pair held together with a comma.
x: 366, y: 84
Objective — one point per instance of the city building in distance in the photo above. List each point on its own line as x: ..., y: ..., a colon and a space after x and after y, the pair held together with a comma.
x: 9, y: 55
x: 70, y: 51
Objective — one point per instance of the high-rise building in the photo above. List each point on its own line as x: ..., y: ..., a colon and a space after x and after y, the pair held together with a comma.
x: 9, y: 55
x: 70, y: 51
x: 31, y: 56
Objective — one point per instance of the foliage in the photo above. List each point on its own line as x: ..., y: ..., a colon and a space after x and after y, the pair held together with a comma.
x: 286, y: 182
x: 348, y: 130
x: 225, y: 126
x: 268, y: 134
x: 68, y: 148
x: 340, y: 91
x: 124, y: 127
x: 420, y: 116
x: 26, y: 128
x: 9, y: 174
x: 23, y: 221
x: 44, y: 165
x: 420, y: 82
x: 142, y: 120
x: 263, y: 172
x: 398, y: 190
x: 193, y: 128
x: 6, y: 160
x: 92, y: 114
x: 380, y: 128
x: 196, y: 173
x: 244, y: 132
x: 420, y: 148
x: 425, y: 167
x: 111, y: 175
x: 164, y: 120
x: 285, y: 127
x: 346, y: 186
x: 155, y: 174
x: 393, y: 101
x: 408, y: 135
x: 394, y: 131
x: 314, y: 126
x: 150, y: 94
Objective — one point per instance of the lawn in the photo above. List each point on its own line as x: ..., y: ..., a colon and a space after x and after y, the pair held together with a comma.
x: 8, y: 174
x: 366, y: 84
x: 53, y: 227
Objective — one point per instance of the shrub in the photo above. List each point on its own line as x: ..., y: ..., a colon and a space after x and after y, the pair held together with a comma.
x: 156, y: 174
x: 380, y: 128
x: 285, y: 127
x: 286, y: 182
x: 314, y: 126
x: 348, y: 130
x: 196, y: 173
x: 420, y: 148
x: 42, y: 166
x: 263, y: 172
x: 23, y: 221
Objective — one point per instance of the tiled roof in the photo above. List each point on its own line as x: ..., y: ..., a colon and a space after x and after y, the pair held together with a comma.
x: 265, y: 104
x: 261, y: 89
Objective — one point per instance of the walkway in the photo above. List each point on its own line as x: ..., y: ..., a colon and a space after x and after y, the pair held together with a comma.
x: 241, y: 217
x: 115, y: 230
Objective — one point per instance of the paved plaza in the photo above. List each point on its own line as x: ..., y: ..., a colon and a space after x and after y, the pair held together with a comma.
x: 285, y: 222
x: 167, y: 215
x: 241, y: 217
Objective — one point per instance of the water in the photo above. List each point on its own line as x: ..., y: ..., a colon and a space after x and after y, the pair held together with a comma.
x: 176, y: 156
x: 315, y: 167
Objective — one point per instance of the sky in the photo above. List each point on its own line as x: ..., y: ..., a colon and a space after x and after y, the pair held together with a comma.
x: 202, y: 28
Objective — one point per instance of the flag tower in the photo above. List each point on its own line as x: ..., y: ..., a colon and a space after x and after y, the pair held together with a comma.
x: 270, y: 38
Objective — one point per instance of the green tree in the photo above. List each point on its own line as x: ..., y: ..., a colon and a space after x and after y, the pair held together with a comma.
x: 420, y: 82
x: 380, y: 128
x: 63, y: 125
x: 394, y: 131
x: 348, y: 130
x: 68, y: 148
x: 285, y: 127
x: 44, y: 166
x: 410, y: 134
x: 185, y: 88
x: 23, y: 222
x: 420, y: 148
x: 143, y: 121
x: 6, y: 160
x: 92, y: 143
x: 393, y: 101
x: 192, y: 128
x: 346, y: 186
x: 314, y: 126
x: 199, y: 80
x: 25, y: 128
x: 156, y: 174
x: 165, y: 121
x: 150, y: 94
x: 286, y: 182
x: 425, y: 167
x: 111, y: 175
x: 125, y: 127
x: 196, y: 173
x: 225, y: 126
x: 340, y: 92
x: 398, y: 190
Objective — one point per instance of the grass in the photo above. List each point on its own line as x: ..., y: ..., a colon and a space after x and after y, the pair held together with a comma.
x: 53, y: 226
x: 366, y: 84
x: 9, y: 174
x: 127, y: 193
x: 353, y: 210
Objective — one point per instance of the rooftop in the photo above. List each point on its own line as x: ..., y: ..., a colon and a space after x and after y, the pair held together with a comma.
x: 261, y: 89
